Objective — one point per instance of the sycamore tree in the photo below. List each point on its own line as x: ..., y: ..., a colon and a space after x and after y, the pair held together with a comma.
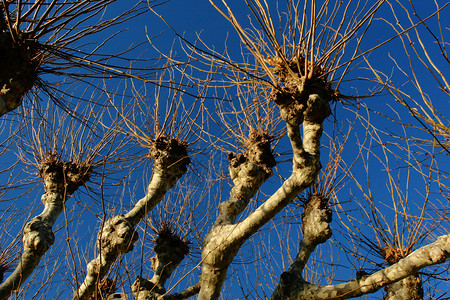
x: 201, y: 175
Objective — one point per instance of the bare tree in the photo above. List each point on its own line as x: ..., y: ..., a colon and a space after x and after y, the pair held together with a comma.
x: 48, y: 37
x: 233, y: 145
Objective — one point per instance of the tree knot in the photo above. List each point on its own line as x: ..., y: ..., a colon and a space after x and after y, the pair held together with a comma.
x: 170, y: 249
x: 316, y: 218
x: 170, y: 157
x: 37, y: 237
x: 257, y: 161
x: 117, y: 237
x: 297, y: 82
x: 318, y: 109
x: 63, y: 177
x: 143, y: 288
x: 18, y: 67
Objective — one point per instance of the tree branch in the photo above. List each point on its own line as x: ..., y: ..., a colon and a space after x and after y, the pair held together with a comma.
x: 170, y: 251
x: 118, y: 234
x: 223, y: 242
x: 434, y: 253
x: 306, y: 167
x: 61, y: 180
x: 248, y: 172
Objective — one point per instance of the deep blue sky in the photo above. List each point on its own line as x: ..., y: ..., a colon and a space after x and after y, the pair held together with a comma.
x: 198, y: 17
x: 190, y: 18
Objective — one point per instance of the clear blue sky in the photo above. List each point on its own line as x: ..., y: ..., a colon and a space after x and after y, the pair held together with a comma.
x: 192, y: 18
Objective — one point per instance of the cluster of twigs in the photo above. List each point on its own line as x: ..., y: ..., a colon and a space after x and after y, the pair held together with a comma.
x: 293, y: 66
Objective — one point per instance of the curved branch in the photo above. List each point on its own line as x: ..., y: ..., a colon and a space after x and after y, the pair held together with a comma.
x: 434, y: 253
x: 224, y: 241
x: 61, y: 180
x: 38, y: 237
x: 118, y: 234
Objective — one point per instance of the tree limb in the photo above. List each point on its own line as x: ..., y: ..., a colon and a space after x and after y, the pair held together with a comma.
x: 434, y: 253
x: 118, y: 234
x: 61, y: 180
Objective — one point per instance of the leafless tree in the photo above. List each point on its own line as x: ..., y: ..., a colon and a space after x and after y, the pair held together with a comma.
x: 237, y: 198
x: 49, y: 37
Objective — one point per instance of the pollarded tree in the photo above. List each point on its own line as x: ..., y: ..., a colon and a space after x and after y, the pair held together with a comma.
x: 50, y: 37
x: 39, y: 40
x: 301, y: 69
x: 277, y: 97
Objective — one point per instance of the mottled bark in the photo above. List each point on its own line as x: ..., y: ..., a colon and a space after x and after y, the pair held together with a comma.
x: 409, y: 288
x: 434, y: 253
x: 316, y: 230
x: 143, y: 289
x: 116, y: 237
x: 225, y: 239
x: 118, y: 234
x: 61, y: 180
x: 247, y: 171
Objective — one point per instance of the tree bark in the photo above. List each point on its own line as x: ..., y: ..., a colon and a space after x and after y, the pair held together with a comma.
x: 170, y: 251
x: 247, y: 171
x: 61, y: 180
x: 17, y: 70
x: 118, y: 234
x: 225, y: 239
x: 435, y: 253
x: 409, y: 288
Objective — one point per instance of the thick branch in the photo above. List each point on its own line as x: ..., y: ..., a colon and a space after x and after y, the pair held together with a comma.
x: 116, y: 237
x: 38, y: 238
x: 118, y: 234
x: 223, y: 242
x: 306, y: 167
x: 61, y: 179
x: 316, y: 220
x: 144, y: 289
x: 434, y: 253
x: 170, y: 251
x: 170, y: 163
x: 248, y: 172
x: 316, y: 229
x: 408, y: 288
x: 11, y: 96
x: 17, y: 71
